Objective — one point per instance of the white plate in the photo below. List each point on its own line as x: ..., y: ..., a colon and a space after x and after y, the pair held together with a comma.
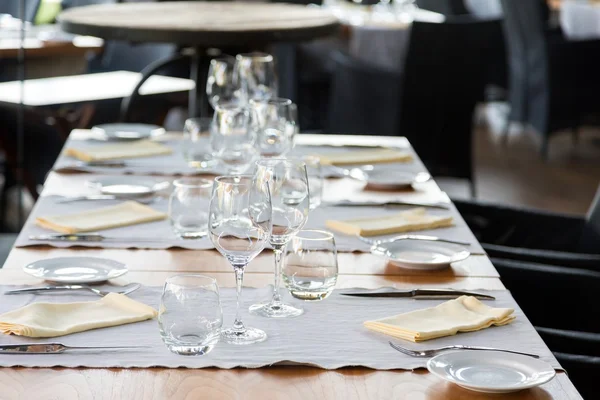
x: 421, y: 254
x: 128, y: 131
x: 76, y: 269
x: 388, y: 179
x: 128, y: 186
x: 491, y: 371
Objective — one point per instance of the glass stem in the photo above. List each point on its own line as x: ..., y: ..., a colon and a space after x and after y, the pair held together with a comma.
x: 278, y: 252
x: 238, y: 325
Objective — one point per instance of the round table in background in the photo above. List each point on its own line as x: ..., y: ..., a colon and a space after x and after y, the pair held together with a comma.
x: 199, y: 25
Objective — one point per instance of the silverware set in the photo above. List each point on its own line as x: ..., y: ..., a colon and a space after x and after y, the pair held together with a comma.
x: 61, y: 288
x: 410, y: 237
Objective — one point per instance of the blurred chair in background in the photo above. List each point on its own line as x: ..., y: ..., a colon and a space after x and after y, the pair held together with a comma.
x: 430, y: 100
x: 554, y: 82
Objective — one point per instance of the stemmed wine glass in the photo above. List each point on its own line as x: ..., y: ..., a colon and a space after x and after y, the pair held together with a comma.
x: 231, y: 138
x: 274, y: 123
x: 288, y: 185
x: 255, y: 75
x: 220, y: 85
x: 240, y: 223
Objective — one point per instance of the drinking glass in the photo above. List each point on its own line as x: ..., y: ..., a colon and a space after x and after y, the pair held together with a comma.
x: 240, y: 223
x: 188, y: 207
x: 220, y: 86
x: 190, y: 315
x: 196, y: 148
x: 288, y: 185
x: 311, y: 265
x: 232, y: 140
x: 274, y: 124
x: 255, y: 75
x: 316, y: 180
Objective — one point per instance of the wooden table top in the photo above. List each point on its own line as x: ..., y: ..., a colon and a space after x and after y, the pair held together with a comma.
x: 203, y: 24
x: 152, y: 267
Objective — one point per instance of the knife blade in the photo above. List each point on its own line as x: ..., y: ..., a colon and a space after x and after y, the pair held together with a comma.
x: 423, y: 294
x: 92, y: 237
x: 390, y: 204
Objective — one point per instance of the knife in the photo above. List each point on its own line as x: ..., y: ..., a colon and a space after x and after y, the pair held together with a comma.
x: 91, y: 237
x: 387, y: 204
x: 56, y: 348
x: 423, y: 294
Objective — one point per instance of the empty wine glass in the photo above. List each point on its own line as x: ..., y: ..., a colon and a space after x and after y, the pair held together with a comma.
x: 288, y: 185
x: 240, y: 223
x: 255, y: 75
x: 311, y: 265
x: 231, y: 139
x: 274, y: 124
x: 190, y: 315
x: 220, y: 86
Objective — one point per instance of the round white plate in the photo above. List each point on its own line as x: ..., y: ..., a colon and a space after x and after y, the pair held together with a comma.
x: 386, y: 179
x: 76, y: 269
x: 128, y: 131
x: 421, y: 254
x: 491, y: 371
x: 128, y: 186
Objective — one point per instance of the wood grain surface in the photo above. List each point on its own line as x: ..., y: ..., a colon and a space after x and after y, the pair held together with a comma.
x: 204, y: 24
x: 152, y: 267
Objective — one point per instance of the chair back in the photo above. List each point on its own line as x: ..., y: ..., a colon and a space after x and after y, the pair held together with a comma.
x: 443, y: 80
x: 446, y: 7
x: 364, y: 98
x: 590, y: 237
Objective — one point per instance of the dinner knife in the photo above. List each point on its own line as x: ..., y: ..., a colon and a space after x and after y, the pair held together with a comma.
x: 442, y: 206
x: 91, y: 237
x: 422, y: 294
x: 55, y: 348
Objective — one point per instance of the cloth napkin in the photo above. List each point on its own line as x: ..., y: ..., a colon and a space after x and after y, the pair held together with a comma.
x: 124, y: 214
x: 136, y: 149
x: 411, y: 220
x: 365, y: 157
x: 52, y: 319
x: 465, y: 314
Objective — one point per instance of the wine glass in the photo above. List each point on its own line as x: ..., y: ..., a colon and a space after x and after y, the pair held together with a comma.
x: 239, y: 224
x: 255, y: 75
x: 220, y: 85
x: 316, y: 181
x: 196, y: 143
x: 288, y: 185
x: 232, y: 140
x: 274, y: 123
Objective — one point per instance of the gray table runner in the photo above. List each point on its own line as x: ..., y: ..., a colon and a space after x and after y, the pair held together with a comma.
x: 329, y: 335
x: 161, y: 230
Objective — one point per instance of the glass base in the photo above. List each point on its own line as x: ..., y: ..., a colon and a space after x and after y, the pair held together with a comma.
x: 190, y: 345
x: 245, y: 336
x: 276, y: 310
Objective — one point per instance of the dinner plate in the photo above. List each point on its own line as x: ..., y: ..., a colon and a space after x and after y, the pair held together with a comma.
x: 491, y: 371
x: 125, y: 131
x: 421, y: 254
x: 387, y: 179
x: 128, y: 186
x: 76, y: 269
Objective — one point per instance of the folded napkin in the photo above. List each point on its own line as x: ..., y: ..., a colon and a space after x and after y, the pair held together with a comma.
x: 124, y: 214
x: 139, y: 148
x: 465, y: 314
x: 52, y: 319
x: 365, y: 157
x: 415, y: 219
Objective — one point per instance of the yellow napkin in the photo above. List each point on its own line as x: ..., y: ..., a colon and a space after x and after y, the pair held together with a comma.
x: 51, y: 319
x: 415, y: 219
x: 140, y: 148
x: 124, y: 214
x: 465, y: 314
x: 365, y: 157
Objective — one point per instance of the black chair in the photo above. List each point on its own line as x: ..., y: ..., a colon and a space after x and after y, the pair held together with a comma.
x: 553, y: 81
x: 6, y: 244
x: 536, y: 236
x: 430, y: 100
x: 446, y: 7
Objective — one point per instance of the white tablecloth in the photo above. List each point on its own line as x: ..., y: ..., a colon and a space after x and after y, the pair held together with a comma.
x: 580, y: 20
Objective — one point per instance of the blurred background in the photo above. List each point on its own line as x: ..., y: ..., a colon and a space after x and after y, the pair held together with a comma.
x: 498, y: 97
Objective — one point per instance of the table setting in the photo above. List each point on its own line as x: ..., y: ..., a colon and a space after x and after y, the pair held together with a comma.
x: 312, y: 206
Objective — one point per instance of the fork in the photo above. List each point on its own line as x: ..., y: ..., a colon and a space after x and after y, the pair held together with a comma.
x: 433, y: 352
x: 130, y: 288
x: 410, y: 237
